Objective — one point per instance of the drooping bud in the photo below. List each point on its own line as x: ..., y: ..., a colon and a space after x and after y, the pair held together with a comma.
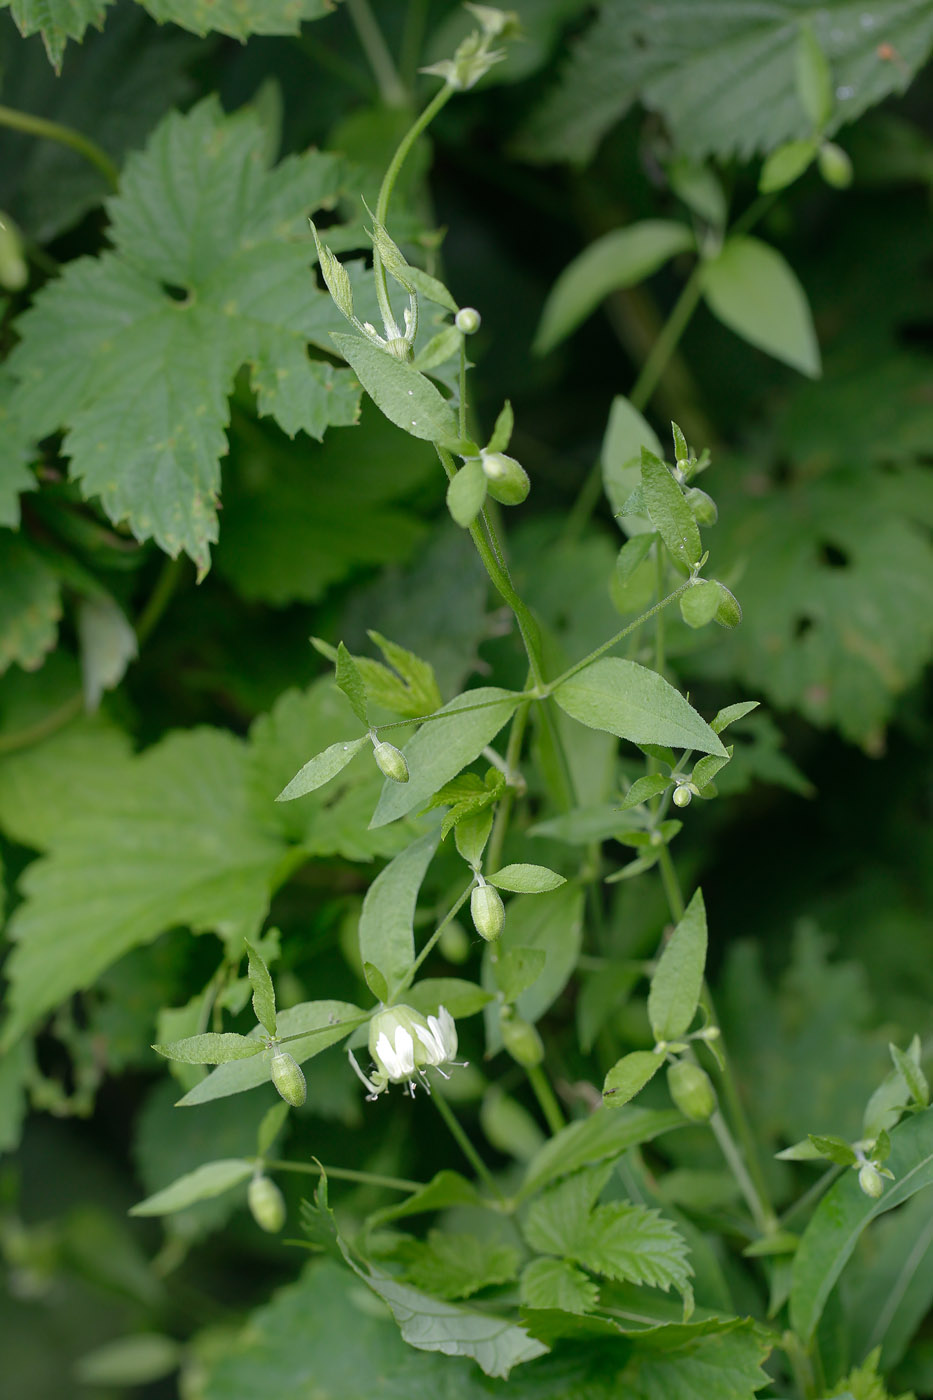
x: 702, y: 506
x: 507, y: 481
x: 266, y: 1204
x: 391, y: 761
x: 488, y: 912
x: 835, y: 166
x: 869, y: 1179
x: 522, y: 1040
x: 467, y: 320
x: 692, y: 1091
x: 288, y: 1078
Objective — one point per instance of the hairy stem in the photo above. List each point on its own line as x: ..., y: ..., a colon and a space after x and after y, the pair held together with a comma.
x: 613, y: 641
x: 391, y: 1183
x: 504, y: 811
x: 65, y: 136
x: 464, y: 1143
x: 451, y: 914
x: 391, y: 88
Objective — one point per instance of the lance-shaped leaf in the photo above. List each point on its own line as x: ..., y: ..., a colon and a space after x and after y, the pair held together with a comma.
x: 636, y: 704
x: 629, y: 1076
x: 466, y: 493
x: 350, y: 681
x: 200, y: 1185
x: 912, y: 1075
x: 406, y: 398
x: 211, y: 1048
x: 668, y: 510
x: 678, y: 977
x: 321, y: 768
x: 526, y: 879
x: 387, y: 940
x: 263, y: 990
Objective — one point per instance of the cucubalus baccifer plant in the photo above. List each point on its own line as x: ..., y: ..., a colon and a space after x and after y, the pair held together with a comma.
x: 584, y: 1245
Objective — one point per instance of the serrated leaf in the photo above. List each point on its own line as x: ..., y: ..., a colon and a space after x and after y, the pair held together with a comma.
x: 212, y: 1179
x: 555, y: 1283
x: 176, y: 842
x: 323, y: 1023
x: 406, y: 398
x: 387, y: 940
x: 238, y: 18
x: 443, y: 746
x: 727, y: 1366
x: 632, y: 1244
x: 678, y: 977
x: 263, y: 990
x: 606, y: 1133
x: 526, y: 879
x: 754, y: 292
x: 321, y: 768
x: 629, y: 1076
x: 456, y: 1265
x: 210, y: 1049
x: 466, y: 493
x: 15, y: 455
x: 722, y: 76
x: 618, y: 259
x: 198, y: 212
x: 785, y: 165
x: 349, y: 680
x: 668, y: 510
x: 634, y: 703
x: 643, y: 789
x: 627, y: 433
x: 558, y: 1218
x: 912, y: 1075
x: 67, y: 19
x: 844, y: 1212
x: 30, y: 604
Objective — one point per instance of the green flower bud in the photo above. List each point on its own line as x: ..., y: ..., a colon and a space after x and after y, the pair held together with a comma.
x: 288, y: 1078
x: 14, y: 274
x: 702, y: 506
x: 522, y: 1040
x: 835, y: 168
x: 869, y: 1179
x: 729, y: 612
x: 391, y: 761
x: 690, y: 1088
x: 468, y: 320
x: 682, y: 796
x: 488, y: 912
x: 266, y: 1203
x: 507, y: 481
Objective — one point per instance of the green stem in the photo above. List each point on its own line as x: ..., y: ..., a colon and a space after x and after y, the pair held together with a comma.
x: 659, y: 626
x: 546, y: 1099
x: 65, y: 136
x: 391, y: 88
x: 760, y: 1214
x: 159, y: 598
x: 613, y: 641
x: 463, y: 399
x: 811, y: 1196
x: 391, y: 1183
x: 675, y: 900
x: 451, y: 914
x: 412, y: 39
x: 440, y: 714
x: 504, y: 810
x: 32, y: 733
x: 464, y: 1143
x: 349, y: 1025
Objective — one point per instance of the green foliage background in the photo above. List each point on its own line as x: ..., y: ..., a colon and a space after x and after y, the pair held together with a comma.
x: 192, y: 485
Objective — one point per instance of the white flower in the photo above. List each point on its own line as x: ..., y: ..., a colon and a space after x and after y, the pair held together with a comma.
x: 403, y: 1044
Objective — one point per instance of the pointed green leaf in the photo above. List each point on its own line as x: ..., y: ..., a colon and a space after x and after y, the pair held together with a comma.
x: 814, y: 79
x: 606, y: 1133
x: 471, y: 833
x: 387, y: 940
x: 912, y: 1075
x: 699, y: 604
x: 443, y: 746
x: 643, y: 789
x: 263, y: 990
x: 321, y: 768
x: 406, y: 398
x: 455, y: 1266
x: 836, y: 1149
x: 526, y: 879
x: 554, y: 1283
x: 461, y: 998
x: 636, y: 704
x: 754, y: 292
x: 616, y: 260
x: 558, y: 1218
x: 466, y: 493
x: 502, y: 429
x: 785, y: 165
x: 632, y: 554
x: 238, y: 18
x: 633, y: 1244
x: 678, y: 977
x: 629, y: 1076
x: 350, y: 681
x: 200, y: 1185
x: 668, y: 510
x: 210, y: 1048
x: 731, y: 713
x: 627, y: 432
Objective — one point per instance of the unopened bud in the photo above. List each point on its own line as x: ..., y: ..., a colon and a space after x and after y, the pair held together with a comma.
x: 507, y: 481
x: 729, y: 611
x: 467, y: 320
x: 266, y: 1204
x: 682, y: 795
x: 869, y: 1179
x: 391, y: 761
x: 522, y: 1041
x: 288, y: 1078
x: 690, y: 1088
x: 702, y: 506
x: 834, y: 165
x: 488, y: 912
x: 14, y: 274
